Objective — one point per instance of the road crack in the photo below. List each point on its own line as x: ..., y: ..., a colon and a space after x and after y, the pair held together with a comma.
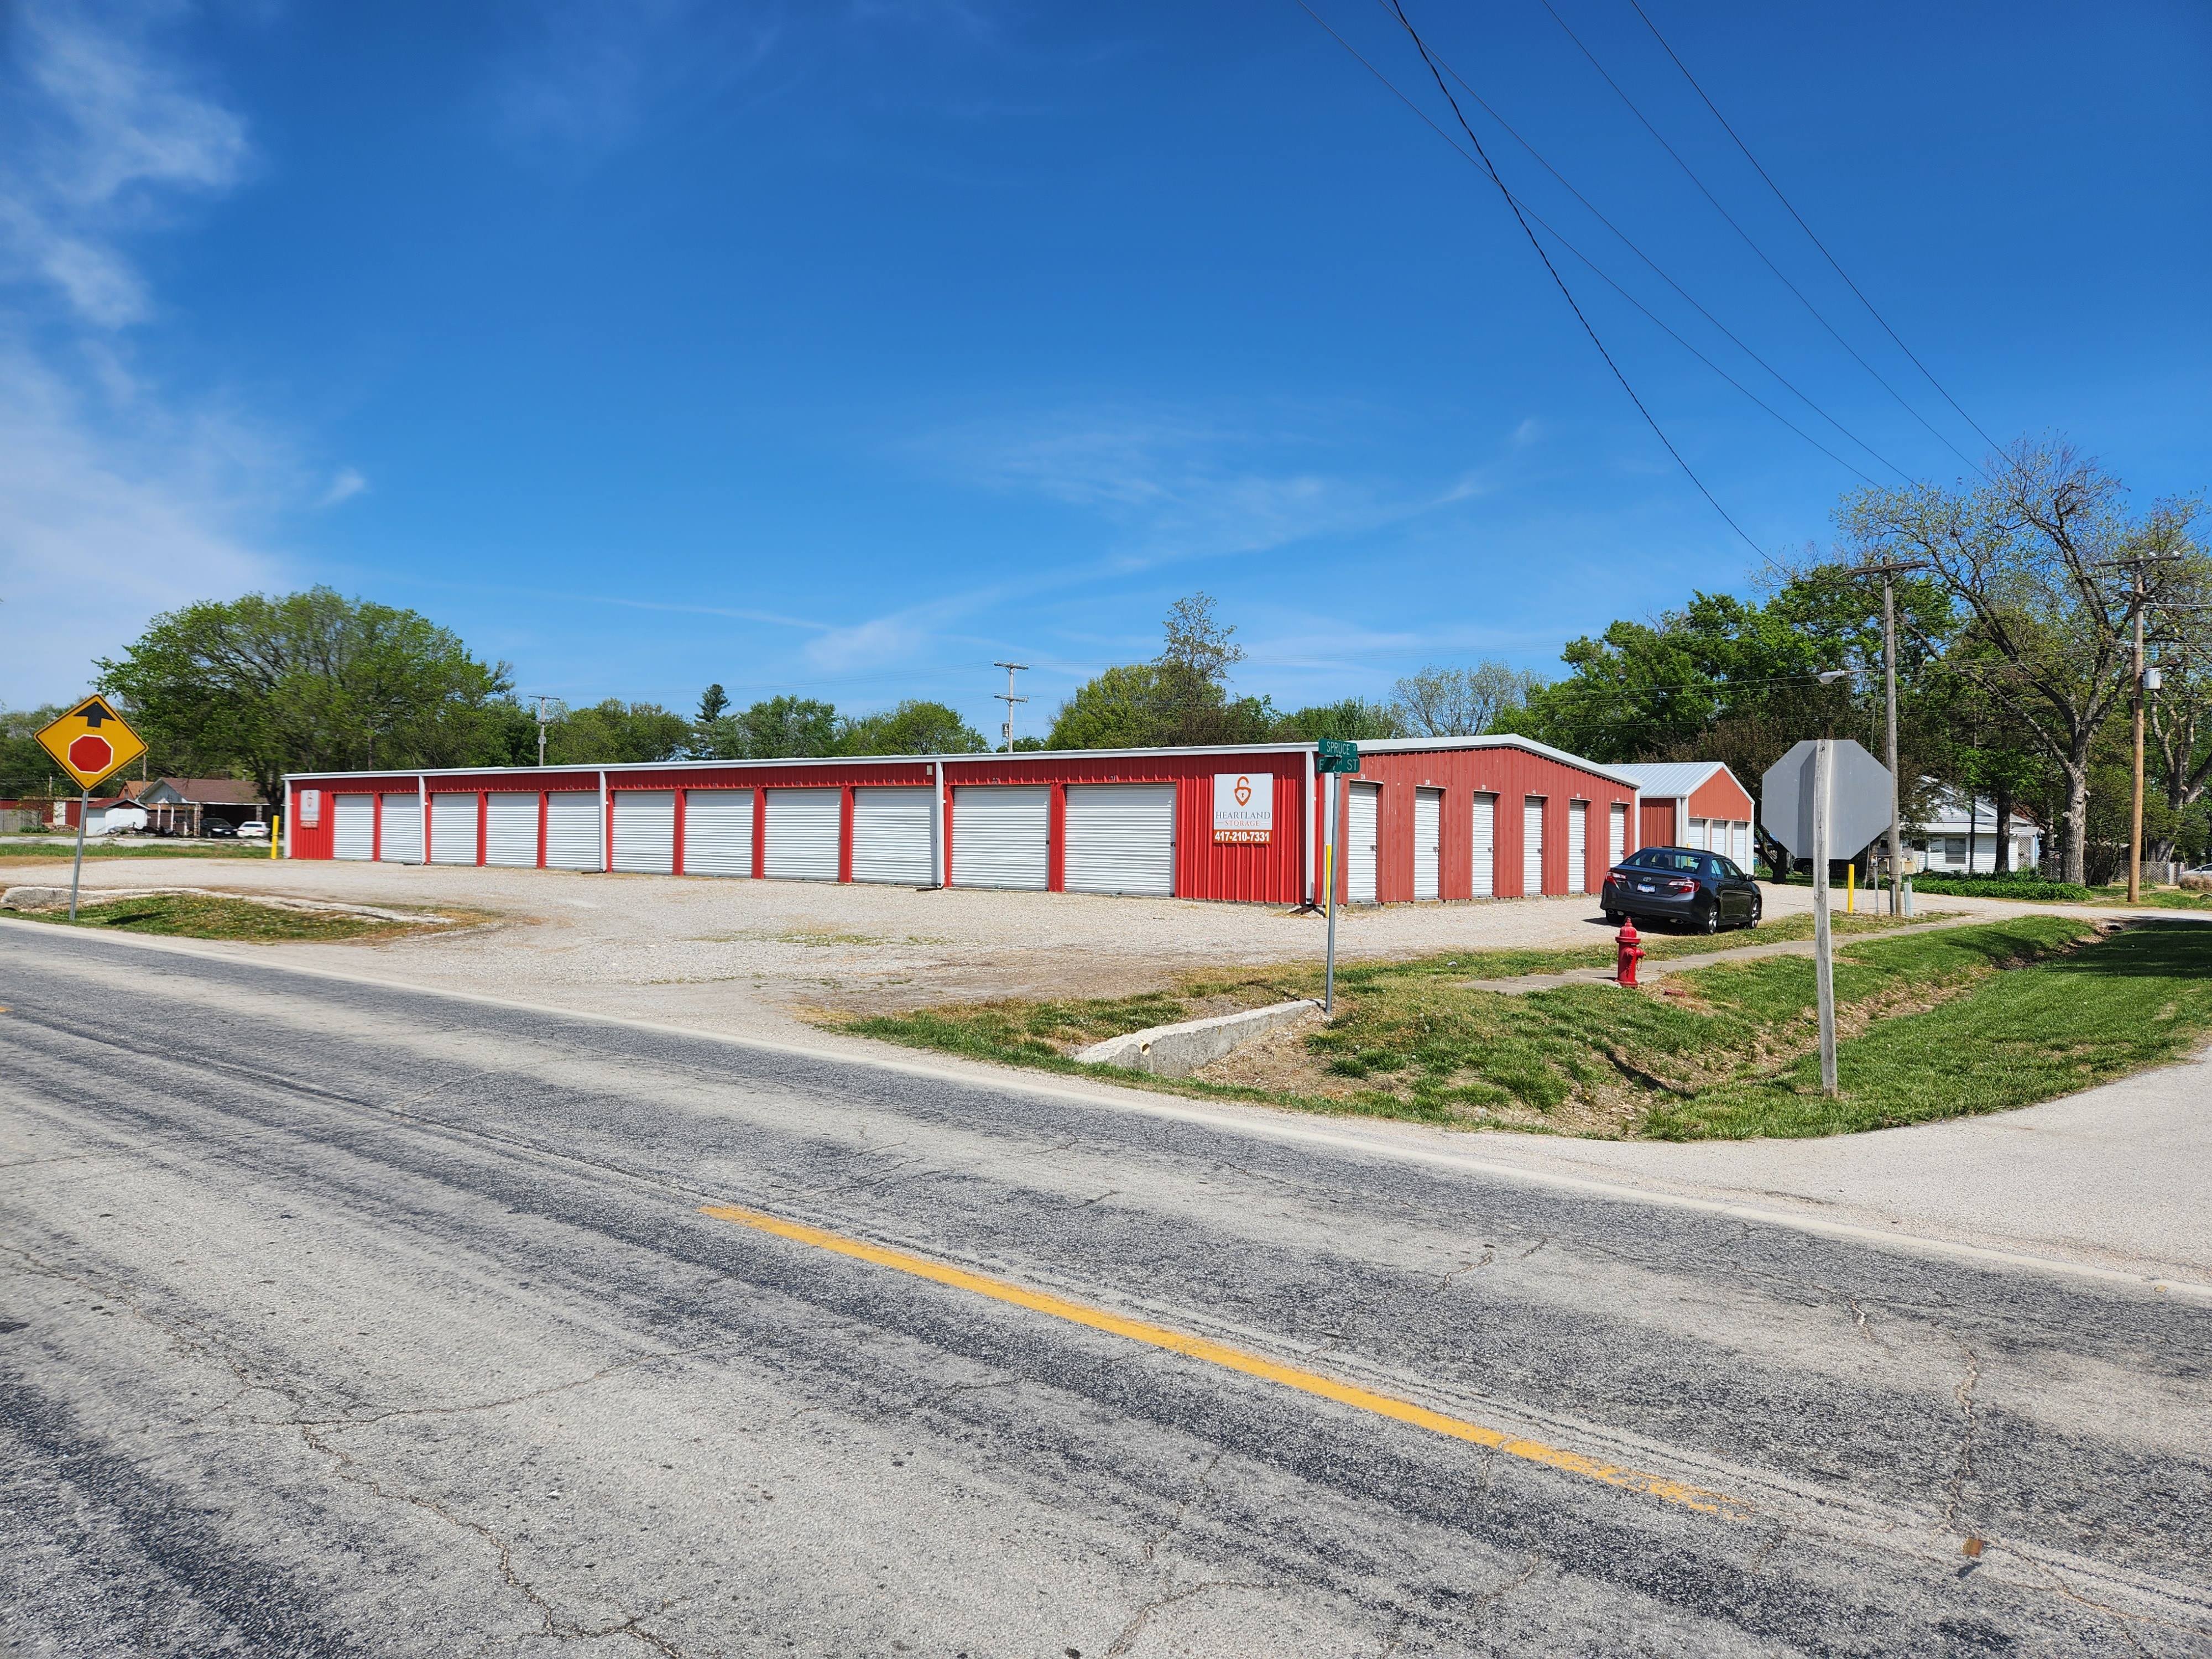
x: 1135, y: 1627
x: 1963, y: 1392
x: 1174, y: 1522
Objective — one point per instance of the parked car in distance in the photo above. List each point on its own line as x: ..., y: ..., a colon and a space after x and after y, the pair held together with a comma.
x: 1684, y: 885
x: 217, y: 830
x: 253, y: 832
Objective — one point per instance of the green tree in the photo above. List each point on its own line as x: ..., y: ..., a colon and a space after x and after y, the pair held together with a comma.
x: 2029, y: 556
x: 914, y: 727
x: 1179, y: 698
x: 1461, y: 702
x: 615, y: 733
x: 1354, y: 719
x: 776, y: 728
x: 263, y: 685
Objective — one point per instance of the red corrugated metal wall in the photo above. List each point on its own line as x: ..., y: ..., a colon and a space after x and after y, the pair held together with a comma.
x: 1511, y: 774
x: 1272, y: 874
x: 1721, y: 797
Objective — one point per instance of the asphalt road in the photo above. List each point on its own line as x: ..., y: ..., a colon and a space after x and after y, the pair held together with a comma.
x: 340, y: 1319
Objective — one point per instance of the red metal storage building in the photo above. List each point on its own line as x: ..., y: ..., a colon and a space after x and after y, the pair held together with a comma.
x: 1694, y: 804
x: 1445, y: 818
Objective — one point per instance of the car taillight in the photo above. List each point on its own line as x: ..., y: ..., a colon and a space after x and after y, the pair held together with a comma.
x: 1681, y: 884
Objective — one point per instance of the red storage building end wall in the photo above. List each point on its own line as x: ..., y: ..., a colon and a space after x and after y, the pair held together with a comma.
x: 1721, y: 796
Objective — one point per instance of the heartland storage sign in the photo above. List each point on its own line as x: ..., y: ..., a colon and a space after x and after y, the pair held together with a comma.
x: 1244, y: 807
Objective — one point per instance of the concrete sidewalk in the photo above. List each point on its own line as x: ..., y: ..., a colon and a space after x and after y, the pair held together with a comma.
x: 2114, y: 1177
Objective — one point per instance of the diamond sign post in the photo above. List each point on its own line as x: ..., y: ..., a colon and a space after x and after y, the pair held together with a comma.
x: 90, y: 742
x: 1827, y: 795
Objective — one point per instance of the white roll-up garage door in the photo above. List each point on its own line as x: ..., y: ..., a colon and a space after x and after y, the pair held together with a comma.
x: 453, y: 829
x: 1616, y: 835
x: 400, y: 838
x: 1428, y: 841
x: 353, y: 826
x: 1362, y: 811
x: 1485, y: 846
x: 999, y: 835
x: 511, y: 828
x: 1120, y: 838
x: 718, y: 832
x: 1578, y: 847
x: 1532, y: 846
x: 891, y: 835
x: 644, y: 831
x: 802, y: 833
x: 572, y: 826
x: 1697, y: 836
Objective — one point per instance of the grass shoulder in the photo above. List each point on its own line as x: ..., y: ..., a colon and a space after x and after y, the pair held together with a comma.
x: 1958, y: 1020
x: 219, y: 916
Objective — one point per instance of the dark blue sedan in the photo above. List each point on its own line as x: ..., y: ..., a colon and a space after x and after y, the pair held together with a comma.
x: 1681, y: 884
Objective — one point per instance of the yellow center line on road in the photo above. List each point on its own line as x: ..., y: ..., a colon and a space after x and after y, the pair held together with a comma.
x: 1235, y: 1360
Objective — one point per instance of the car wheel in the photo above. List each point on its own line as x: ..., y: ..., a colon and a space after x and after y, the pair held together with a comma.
x: 1707, y: 920
x: 1758, y: 909
x: 1613, y: 918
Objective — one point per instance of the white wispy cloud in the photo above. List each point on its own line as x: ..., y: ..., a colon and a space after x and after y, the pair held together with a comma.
x: 118, y: 499
x: 588, y: 72
x: 1176, y: 484
x: 103, y: 134
x: 346, y: 483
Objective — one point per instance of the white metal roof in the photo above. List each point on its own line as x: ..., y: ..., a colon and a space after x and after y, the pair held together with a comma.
x: 1676, y: 778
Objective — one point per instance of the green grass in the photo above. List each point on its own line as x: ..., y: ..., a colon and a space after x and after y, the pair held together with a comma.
x: 2151, y: 900
x: 2031, y: 889
x: 203, y: 916
x: 1951, y: 1022
x: 65, y: 847
x: 2139, y: 998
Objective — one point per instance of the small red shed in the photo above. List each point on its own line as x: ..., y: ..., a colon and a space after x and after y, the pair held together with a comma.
x: 1694, y: 804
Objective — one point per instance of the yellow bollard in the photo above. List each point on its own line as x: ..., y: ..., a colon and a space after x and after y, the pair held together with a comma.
x: 1851, y: 889
x: 276, y: 833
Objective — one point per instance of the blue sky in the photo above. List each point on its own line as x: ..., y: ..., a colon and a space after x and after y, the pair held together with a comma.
x: 844, y: 348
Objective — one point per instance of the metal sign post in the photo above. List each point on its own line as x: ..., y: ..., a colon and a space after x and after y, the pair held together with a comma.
x: 76, y: 875
x: 1824, y: 961
x: 1332, y: 756
x: 1827, y: 797
x: 1328, y: 860
x: 92, y: 742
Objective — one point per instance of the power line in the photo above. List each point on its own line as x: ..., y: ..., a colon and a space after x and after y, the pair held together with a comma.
x: 1565, y: 293
x: 1801, y: 225
x: 1600, y: 272
x: 1537, y: 156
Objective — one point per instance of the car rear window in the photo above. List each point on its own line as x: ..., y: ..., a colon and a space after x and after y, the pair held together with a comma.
x: 1668, y: 858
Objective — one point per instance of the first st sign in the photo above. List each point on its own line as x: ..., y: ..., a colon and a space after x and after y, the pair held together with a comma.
x: 91, y: 741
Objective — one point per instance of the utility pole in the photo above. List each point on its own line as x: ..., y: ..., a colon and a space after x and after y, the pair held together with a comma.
x: 2139, y: 600
x: 1889, y: 570
x: 550, y: 710
x: 1008, y: 698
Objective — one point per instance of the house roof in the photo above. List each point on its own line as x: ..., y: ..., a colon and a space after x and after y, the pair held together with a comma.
x: 204, y: 791
x: 1665, y: 778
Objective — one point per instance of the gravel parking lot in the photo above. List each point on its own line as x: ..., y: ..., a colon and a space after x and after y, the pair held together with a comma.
x: 751, y: 957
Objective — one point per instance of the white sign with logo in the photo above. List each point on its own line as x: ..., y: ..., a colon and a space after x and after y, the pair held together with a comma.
x: 1244, y: 807
x: 311, y: 808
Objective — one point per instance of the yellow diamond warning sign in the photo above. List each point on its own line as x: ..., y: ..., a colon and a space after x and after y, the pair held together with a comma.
x: 91, y: 741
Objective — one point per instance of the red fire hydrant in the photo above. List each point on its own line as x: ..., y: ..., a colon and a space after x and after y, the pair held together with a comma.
x: 1631, y: 952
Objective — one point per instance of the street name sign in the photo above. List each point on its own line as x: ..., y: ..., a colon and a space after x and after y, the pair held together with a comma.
x: 1857, y: 795
x: 91, y: 741
x: 1336, y: 755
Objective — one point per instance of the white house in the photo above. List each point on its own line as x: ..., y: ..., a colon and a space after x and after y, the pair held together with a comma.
x: 1959, y: 835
